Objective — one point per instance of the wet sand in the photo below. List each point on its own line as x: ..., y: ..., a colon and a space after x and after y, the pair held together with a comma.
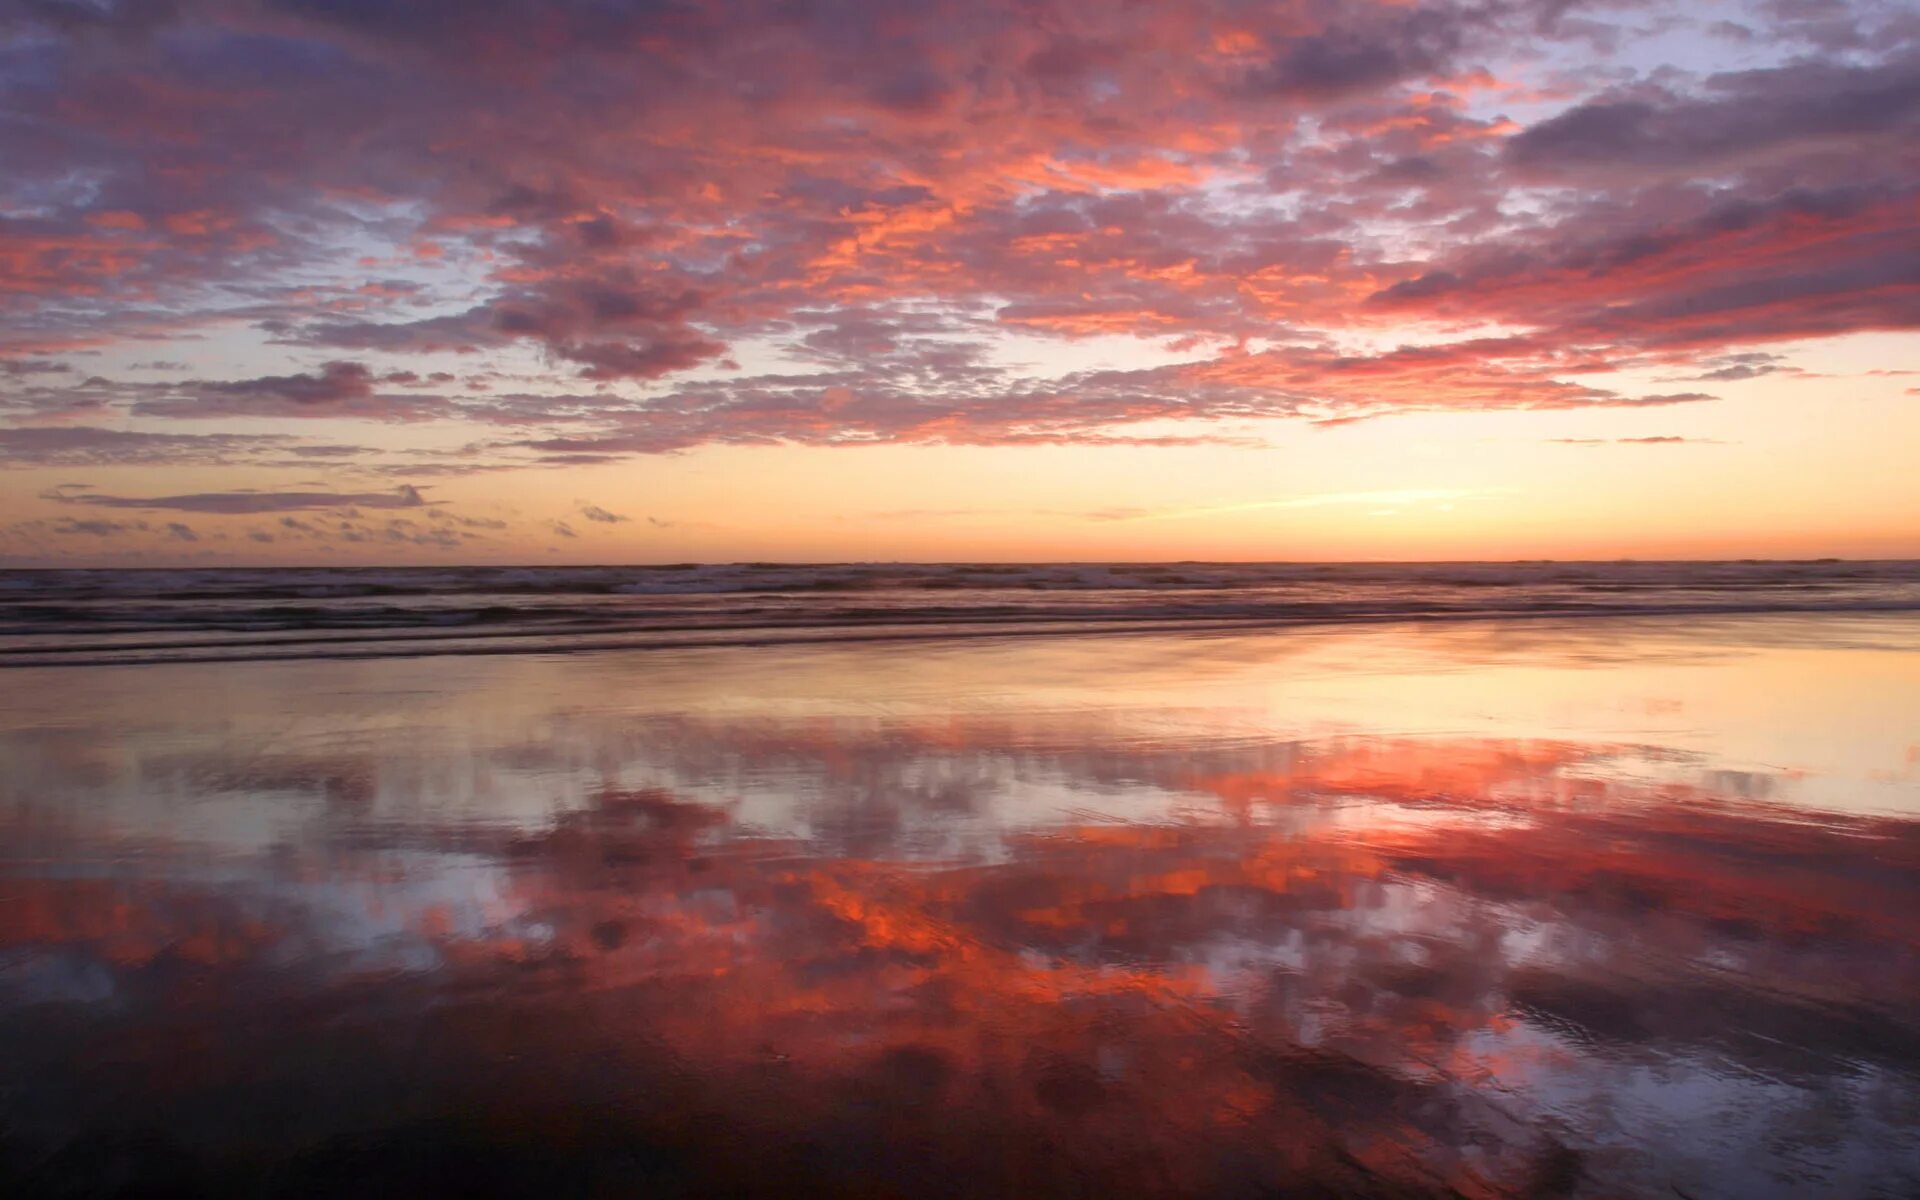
x: 1591, y: 908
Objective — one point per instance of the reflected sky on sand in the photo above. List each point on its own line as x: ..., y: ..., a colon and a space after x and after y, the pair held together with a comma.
x: 1587, y: 909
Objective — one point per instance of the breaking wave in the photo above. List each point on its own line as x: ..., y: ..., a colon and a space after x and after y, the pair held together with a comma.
x: 97, y: 616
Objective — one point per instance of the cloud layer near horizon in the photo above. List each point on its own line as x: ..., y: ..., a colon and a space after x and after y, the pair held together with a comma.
x: 565, y: 233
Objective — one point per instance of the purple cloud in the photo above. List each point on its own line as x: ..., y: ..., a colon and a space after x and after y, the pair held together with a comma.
x: 237, y: 503
x: 606, y: 209
x: 75, y: 445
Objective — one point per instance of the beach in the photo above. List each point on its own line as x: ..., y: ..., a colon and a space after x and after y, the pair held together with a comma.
x: 1554, y: 904
x: 1006, y: 600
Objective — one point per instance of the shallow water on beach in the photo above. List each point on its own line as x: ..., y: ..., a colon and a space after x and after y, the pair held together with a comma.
x: 1598, y: 908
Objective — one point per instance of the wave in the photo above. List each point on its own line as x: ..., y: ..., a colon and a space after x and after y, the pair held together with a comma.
x: 104, y: 616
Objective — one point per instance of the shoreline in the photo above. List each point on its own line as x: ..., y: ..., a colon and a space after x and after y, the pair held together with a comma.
x: 12, y: 658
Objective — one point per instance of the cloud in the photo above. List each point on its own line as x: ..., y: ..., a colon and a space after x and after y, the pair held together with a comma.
x: 594, y: 512
x: 1734, y: 374
x: 336, y: 381
x: 881, y: 404
x: 32, y: 366
x: 96, y: 528
x: 614, y: 325
x: 1657, y: 440
x: 236, y: 503
x: 1735, y: 117
x: 652, y: 228
x: 337, y: 390
x: 1386, y: 46
x: 1735, y: 368
x: 78, y: 445
x: 1717, y: 273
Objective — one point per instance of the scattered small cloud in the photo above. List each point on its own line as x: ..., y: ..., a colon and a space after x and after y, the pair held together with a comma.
x: 1664, y: 440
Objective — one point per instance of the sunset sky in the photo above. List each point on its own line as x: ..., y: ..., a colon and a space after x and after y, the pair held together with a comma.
x: 389, y: 281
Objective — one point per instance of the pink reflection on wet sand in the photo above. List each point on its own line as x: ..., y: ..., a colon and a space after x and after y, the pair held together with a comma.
x: 1148, y: 916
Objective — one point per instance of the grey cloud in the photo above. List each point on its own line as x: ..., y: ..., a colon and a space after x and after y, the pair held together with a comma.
x: 33, y: 366
x: 87, y: 446
x: 243, y: 503
x: 338, y: 389
x: 1738, y: 114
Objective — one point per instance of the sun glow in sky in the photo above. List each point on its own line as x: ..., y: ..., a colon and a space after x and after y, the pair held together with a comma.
x: 376, y: 281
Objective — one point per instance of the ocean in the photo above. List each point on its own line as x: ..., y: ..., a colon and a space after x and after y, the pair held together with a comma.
x: 107, y: 616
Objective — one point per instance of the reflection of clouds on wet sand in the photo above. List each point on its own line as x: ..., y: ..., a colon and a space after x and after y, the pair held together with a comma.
x: 836, y: 937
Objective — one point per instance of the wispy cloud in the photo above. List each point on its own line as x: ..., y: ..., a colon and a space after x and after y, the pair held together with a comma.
x: 235, y: 503
x: 1657, y: 440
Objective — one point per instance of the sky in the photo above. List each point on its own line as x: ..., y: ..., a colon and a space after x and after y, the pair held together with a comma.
x: 599, y: 281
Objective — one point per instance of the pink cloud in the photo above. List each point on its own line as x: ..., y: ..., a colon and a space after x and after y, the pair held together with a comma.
x: 636, y: 193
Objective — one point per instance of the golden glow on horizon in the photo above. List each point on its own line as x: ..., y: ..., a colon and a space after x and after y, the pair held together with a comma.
x: 1761, y: 481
